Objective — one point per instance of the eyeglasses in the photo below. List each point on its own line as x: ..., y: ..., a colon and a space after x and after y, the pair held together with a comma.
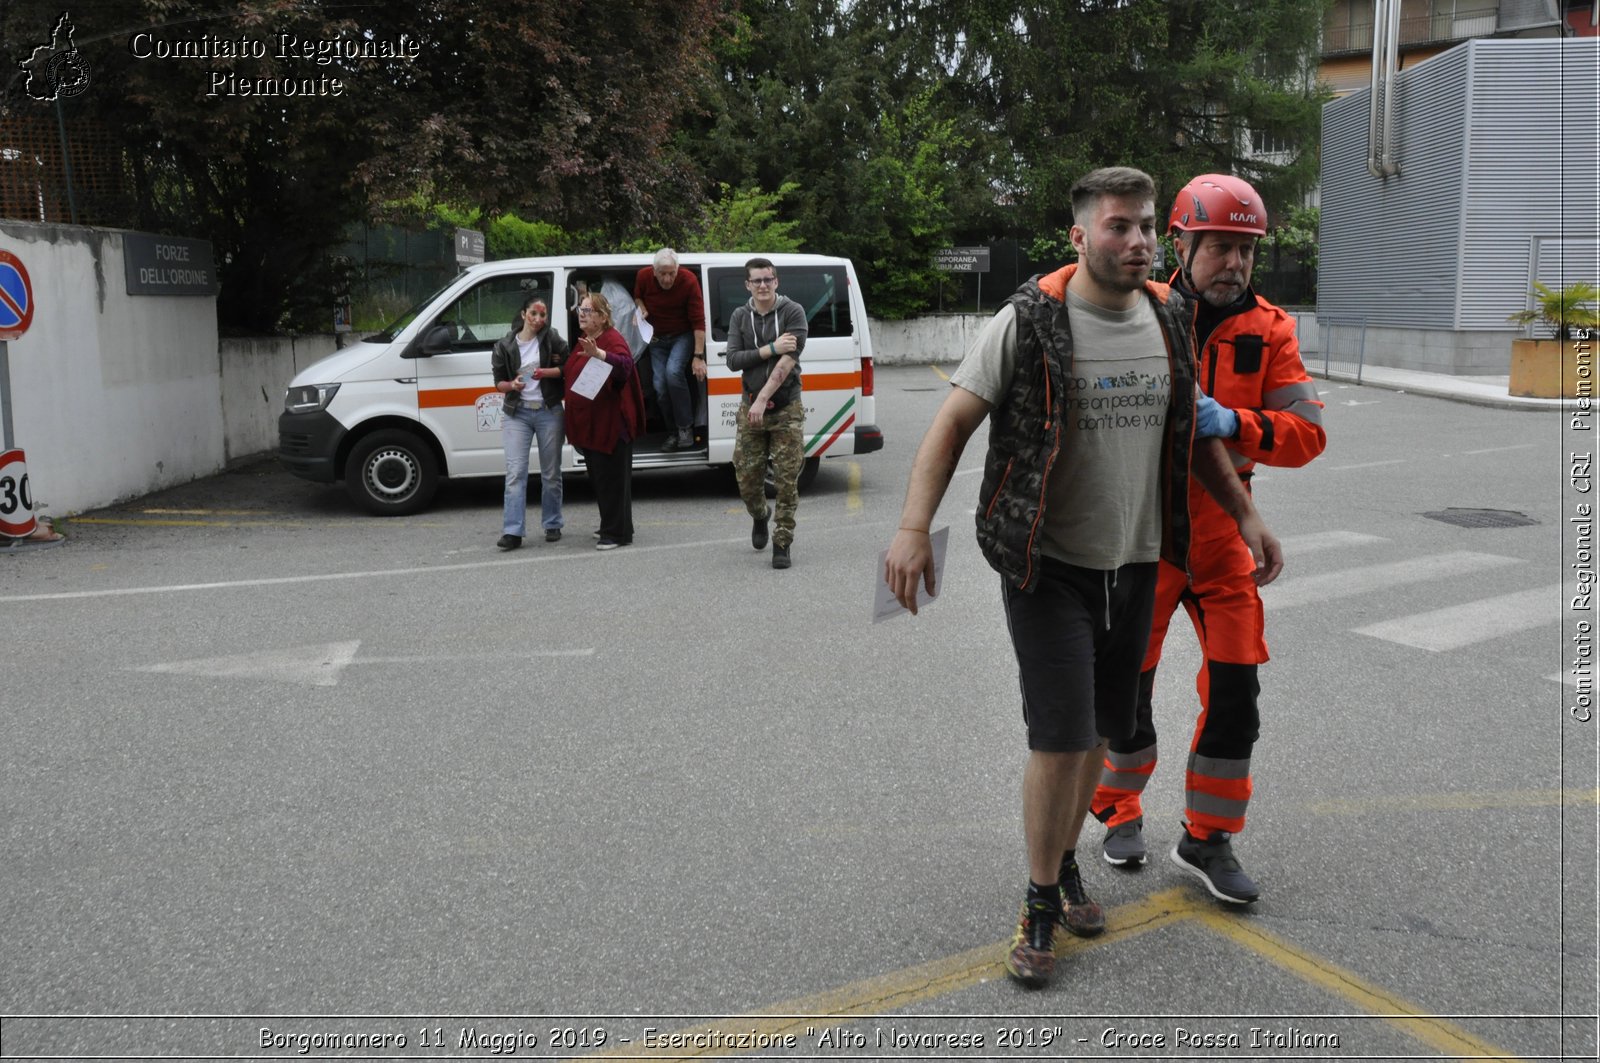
x: 762, y: 282
x: 584, y: 311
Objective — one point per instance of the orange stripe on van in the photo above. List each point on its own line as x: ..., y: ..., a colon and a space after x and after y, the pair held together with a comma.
x: 808, y: 381
x: 430, y: 400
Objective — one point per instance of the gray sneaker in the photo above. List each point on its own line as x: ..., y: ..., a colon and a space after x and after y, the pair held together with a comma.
x: 1213, y: 863
x: 1124, y: 845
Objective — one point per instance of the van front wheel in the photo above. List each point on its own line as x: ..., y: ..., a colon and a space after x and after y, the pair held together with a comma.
x: 392, y: 473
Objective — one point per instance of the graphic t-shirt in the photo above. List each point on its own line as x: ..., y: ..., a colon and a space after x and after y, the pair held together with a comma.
x: 1104, y: 501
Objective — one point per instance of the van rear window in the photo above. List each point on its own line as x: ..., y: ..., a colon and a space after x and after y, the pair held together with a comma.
x: 823, y: 291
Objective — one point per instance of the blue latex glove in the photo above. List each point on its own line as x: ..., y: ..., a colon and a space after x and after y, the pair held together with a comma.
x: 1212, y: 419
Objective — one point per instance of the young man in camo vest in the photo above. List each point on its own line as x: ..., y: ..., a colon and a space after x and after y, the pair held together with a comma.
x: 1088, y: 376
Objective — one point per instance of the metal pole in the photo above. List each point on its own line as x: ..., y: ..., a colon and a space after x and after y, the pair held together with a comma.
x: 66, y: 160
x: 5, y: 397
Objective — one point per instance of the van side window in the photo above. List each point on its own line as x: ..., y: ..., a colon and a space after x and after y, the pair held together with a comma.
x: 487, y: 311
x: 823, y: 291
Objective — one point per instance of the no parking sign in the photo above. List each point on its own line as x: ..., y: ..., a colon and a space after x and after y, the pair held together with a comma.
x: 16, y: 297
x: 16, y: 496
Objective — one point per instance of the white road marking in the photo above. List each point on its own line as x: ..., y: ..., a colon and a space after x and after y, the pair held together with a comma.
x: 1496, y: 450
x: 1290, y: 591
x: 1368, y: 464
x: 1296, y: 545
x: 318, y: 664
x: 563, y: 555
x: 1462, y: 625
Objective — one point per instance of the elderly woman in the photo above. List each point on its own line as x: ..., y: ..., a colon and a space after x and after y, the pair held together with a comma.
x: 527, y: 364
x: 605, y: 426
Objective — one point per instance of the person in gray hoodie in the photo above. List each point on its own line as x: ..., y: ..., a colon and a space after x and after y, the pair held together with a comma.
x: 765, y: 338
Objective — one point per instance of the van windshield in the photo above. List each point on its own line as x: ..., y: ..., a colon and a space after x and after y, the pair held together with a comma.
x: 398, y: 325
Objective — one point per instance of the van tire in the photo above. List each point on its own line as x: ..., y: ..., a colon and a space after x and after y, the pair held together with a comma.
x: 808, y: 473
x: 392, y: 473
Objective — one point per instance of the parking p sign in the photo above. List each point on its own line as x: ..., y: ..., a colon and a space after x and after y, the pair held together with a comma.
x: 16, y: 297
x: 16, y: 497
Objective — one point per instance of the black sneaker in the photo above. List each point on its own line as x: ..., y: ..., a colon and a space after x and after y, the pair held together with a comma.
x: 509, y: 542
x: 607, y: 544
x: 1032, y: 959
x: 780, y: 556
x: 552, y: 535
x: 671, y: 444
x: 758, y: 531
x: 1213, y: 863
x: 1080, y: 913
x: 1124, y: 845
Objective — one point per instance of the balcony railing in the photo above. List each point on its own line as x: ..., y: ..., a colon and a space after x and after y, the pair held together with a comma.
x: 1417, y: 31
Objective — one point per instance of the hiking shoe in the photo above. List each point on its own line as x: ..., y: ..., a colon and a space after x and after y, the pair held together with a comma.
x: 1124, y: 845
x: 509, y: 542
x: 552, y: 535
x: 758, y: 531
x: 1080, y: 913
x: 780, y: 556
x: 1032, y: 959
x: 1213, y: 863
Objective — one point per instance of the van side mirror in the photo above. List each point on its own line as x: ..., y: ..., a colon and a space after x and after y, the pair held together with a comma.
x: 438, y: 340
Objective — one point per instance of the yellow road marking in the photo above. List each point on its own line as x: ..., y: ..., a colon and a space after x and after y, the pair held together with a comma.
x: 942, y: 374
x: 153, y: 523
x: 912, y: 985
x: 1459, y: 802
x: 852, y: 492
x: 210, y: 512
x: 950, y: 974
x: 1411, y: 1020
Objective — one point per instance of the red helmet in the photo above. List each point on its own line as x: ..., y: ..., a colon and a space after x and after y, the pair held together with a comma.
x: 1216, y: 202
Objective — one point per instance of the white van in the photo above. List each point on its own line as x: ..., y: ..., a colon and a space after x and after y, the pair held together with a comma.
x: 394, y: 413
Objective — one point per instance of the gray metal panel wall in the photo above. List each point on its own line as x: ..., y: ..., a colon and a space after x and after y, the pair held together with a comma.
x: 1533, y: 175
x: 1390, y: 249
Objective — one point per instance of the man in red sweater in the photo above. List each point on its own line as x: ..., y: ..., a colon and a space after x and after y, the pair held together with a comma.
x: 669, y: 298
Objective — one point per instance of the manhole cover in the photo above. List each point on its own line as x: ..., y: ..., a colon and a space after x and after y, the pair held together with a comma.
x: 1482, y: 518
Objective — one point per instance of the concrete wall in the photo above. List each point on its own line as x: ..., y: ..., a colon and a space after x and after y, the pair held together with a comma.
x: 253, y: 374
x: 114, y: 396
x: 945, y: 339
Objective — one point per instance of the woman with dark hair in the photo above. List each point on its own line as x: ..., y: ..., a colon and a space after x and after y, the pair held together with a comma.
x: 605, y: 426
x: 528, y: 362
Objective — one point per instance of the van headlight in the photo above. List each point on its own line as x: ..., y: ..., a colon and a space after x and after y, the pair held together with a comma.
x: 312, y: 398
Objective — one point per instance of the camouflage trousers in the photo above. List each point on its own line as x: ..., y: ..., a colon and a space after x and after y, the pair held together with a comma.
x: 780, y: 438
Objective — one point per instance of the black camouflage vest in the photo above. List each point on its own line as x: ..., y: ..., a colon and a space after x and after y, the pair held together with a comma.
x: 1025, y: 434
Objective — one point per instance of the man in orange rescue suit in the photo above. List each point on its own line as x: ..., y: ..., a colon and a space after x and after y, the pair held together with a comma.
x: 1249, y: 361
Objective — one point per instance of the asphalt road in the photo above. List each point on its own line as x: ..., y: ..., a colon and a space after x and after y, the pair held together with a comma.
x: 269, y: 761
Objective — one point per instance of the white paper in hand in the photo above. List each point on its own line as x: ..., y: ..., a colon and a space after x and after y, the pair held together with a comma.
x: 593, y: 377
x: 885, y: 606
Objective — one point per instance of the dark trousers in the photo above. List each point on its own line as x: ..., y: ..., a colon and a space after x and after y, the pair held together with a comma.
x: 611, y: 475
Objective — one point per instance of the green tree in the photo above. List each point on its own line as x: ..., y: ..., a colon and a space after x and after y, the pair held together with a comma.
x: 553, y: 110
x: 744, y: 219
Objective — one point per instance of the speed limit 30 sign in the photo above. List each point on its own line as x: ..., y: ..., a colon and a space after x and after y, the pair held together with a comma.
x: 16, y: 496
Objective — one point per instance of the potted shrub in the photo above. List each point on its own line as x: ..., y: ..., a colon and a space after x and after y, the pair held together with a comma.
x: 1562, y: 366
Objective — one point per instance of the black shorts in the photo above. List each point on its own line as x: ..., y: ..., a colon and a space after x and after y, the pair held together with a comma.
x: 1080, y: 639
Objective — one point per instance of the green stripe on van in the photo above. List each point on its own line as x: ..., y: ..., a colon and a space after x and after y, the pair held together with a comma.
x: 828, y: 428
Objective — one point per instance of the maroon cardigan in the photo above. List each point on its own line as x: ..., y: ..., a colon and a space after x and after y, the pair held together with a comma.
x: 616, y: 413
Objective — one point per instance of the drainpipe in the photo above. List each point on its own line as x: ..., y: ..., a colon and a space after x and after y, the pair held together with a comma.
x: 1385, y: 62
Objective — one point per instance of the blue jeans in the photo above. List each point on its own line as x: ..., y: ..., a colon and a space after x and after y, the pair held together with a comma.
x: 669, y: 373
x: 517, y: 432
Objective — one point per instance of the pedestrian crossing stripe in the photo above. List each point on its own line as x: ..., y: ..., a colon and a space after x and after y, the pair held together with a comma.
x: 1291, y: 592
x: 1462, y: 625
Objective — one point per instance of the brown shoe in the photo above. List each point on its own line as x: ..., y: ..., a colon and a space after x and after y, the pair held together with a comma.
x: 1032, y: 959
